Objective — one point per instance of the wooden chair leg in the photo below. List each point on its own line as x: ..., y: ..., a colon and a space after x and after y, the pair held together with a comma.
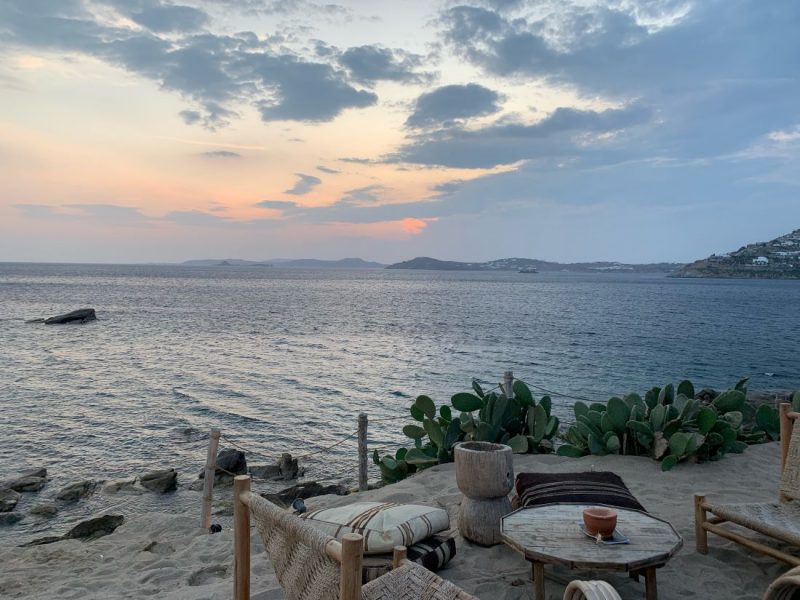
x: 700, y: 517
x: 352, y: 559
x: 399, y: 554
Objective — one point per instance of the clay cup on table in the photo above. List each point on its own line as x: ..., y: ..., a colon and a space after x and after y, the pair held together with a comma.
x: 600, y: 520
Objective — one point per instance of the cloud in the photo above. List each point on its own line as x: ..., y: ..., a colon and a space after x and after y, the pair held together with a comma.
x: 358, y: 161
x: 221, y: 154
x: 304, y: 184
x: 448, y: 187
x: 304, y: 91
x: 161, y: 17
x: 217, y: 73
x: 41, y: 211
x: 105, y: 213
x: 363, y: 195
x: 630, y: 47
x: 450, y: 103
x: 328, y: 170
x: 398, y: 229
x: 282, y: 205
x: 371, y: 63
x: 564, y: 132
x: 110, y: 213
x: 196, y: 218
x: 333, y: 12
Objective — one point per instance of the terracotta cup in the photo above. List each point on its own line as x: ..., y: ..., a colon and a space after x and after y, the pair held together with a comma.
x: 599, y: 519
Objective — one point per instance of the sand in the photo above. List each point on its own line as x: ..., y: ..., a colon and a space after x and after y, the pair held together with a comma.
x: 165, y: 556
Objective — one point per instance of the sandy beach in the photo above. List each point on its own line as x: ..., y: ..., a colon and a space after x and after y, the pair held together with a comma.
x: 166, y: 556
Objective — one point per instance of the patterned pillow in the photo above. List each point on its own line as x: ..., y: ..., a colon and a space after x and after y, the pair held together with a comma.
x: 384, y: 525
x: 432, y: 553
x: 592, y: 487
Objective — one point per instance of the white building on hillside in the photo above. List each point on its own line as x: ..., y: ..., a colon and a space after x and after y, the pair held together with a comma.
x: 761, y: 260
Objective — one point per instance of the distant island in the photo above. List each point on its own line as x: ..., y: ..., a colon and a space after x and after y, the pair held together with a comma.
x: 532, y: 265
x: 285, y: 263
x: 776, y: 259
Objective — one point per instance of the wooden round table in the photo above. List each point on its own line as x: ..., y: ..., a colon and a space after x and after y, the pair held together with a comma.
x: 551, y: 534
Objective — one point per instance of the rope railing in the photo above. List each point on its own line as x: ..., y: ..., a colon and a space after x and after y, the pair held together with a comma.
x: 306, y: 455
x: 554, y: 393
x: 360, y: 433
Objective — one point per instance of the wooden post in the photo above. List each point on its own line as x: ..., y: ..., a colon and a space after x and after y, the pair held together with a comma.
x: 352, y: 557
x: 399, y: 554
x: 208, y: 483
x: 700, y: 517
x: 508, y: 384
x: 241, y: 539
x: 362, y: 452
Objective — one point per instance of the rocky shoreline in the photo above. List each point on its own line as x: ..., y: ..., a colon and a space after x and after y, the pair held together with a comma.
x: 230, y: 462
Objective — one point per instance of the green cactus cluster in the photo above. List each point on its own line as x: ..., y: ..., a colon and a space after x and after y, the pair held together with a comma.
x: 517, y: 420
x: 670, y: 424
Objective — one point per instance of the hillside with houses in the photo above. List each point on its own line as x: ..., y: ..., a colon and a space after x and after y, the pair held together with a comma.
x: 776, y: 259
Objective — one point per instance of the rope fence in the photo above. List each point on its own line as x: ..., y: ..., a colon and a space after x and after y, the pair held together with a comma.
x: 361, y: 434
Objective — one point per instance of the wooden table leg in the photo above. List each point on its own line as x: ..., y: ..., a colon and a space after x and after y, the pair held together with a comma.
x: 650, y: 586
x: 538, y: 580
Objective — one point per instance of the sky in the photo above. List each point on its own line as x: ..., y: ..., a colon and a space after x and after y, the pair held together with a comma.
x: 568, y: 130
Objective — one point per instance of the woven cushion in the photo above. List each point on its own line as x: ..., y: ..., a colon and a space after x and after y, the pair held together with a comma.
x: 593, y: 487
x: 383, y: 525
x: 432, y: 553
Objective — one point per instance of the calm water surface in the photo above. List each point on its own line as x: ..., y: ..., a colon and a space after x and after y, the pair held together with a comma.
x: 283, y: 360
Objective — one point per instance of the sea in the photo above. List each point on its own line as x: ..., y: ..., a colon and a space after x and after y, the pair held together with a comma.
x: 283, y: 360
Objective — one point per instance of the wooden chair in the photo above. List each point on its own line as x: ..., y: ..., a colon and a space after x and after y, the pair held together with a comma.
x: 785, y: 587
x: 590, y: 590
x: 311, y: 565
x: 780, y: 520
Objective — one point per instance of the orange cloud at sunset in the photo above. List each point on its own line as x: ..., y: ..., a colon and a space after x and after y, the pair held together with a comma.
x: 390, y: 230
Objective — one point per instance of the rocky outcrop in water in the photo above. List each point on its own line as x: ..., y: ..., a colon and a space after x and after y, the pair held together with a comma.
x: 230, y: 462
x: 28, y: 482
x: 10, y: 518
x: 160, y: 481
x: 286, y: 468
x: 8, y: 499
x: 76, y: 491
x: 121, y: 485
x: 44, y: 509
x: 82, y: 315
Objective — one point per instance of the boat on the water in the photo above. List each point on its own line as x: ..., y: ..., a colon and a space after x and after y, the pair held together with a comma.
x: 528, y: 270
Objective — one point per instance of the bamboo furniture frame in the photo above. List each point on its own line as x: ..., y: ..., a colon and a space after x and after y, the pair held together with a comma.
x: 348, y: 553
x: 406, y: 581
x: 705, y: 523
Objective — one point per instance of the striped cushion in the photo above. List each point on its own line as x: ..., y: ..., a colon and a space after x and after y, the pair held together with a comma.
x: 432, y: 553
x: 383, y: 525
x: 594, y: 487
